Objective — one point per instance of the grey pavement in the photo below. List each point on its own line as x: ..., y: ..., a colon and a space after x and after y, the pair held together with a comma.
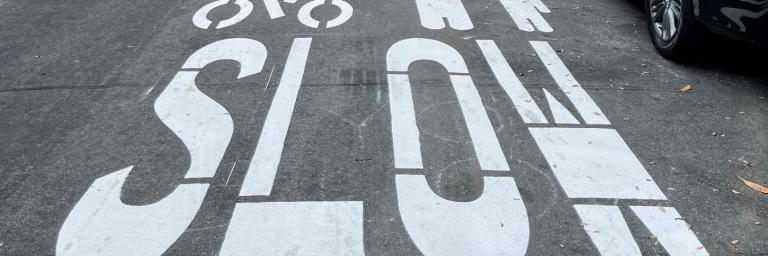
x: 79, y: 81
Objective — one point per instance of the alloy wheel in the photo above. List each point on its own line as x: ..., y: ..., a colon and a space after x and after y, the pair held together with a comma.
x: 666, y: 16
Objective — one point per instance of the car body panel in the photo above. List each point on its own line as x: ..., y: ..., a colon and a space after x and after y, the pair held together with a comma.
x: 741, y: 19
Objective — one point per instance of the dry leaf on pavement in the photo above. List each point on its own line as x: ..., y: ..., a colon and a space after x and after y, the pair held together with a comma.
x: 757, y: 187
x: 686, y: 88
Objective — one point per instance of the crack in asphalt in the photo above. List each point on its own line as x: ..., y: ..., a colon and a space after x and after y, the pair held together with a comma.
x: 71, y: 87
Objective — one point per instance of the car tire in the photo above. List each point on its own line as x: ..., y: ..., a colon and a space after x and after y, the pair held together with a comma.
x: 689, y: 40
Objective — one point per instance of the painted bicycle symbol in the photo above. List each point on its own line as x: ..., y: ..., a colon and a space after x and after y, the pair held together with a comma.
x: 275, y: 11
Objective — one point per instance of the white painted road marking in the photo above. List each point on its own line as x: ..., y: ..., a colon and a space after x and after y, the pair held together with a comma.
x: 405, y: 134
x: 401, y: 54
x: 494, y: 224
x: 435, y: 14
x: 200, y: 19
x: 609, y: 232
x: 266, y: 159
x: 100, y: 224
x: 305, y: 13
x: 296, y: 228
x: 595, y: 163
x: 524, y: 103
x: 670, y: 229
x: 561, y: 114
x: 587, y: 108
x: 251, y: 55
x: 201, y: 123
x: 274, y: 9
x: 527, y: 14
x: 346, y: 13
x: 484, y: 140
x: 587, y: 162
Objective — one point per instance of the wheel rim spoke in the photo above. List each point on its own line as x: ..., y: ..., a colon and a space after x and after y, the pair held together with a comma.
x: 656, y: 5
x: 669, y: 24
x: 677, y: 8
x: 665, y: 17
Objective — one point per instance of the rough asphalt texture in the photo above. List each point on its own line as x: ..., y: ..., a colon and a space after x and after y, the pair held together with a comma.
x: 78, y: 80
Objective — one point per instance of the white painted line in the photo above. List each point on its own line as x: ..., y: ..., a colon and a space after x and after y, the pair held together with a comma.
x: 230, y: 172
x: 494, y: 224
x: 274, y: 9
x: 344, y: 16
x: 269, y: 80
x: 295, y: 228
x: 561, y: 114
x: 670, y: 229
x: 484, y: 140
x: 432, y: 13
x: 595, y: 163
x: 527, y: 14
x: 202, y: 124
x: 578, y: 96
x: 100, y: 224
x: 524, y: 103
x: 405, y: 133
x: 263, y: 168
x: 608, y: 230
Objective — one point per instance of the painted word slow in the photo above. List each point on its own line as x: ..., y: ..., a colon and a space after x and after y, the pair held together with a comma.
x: 585, y: 155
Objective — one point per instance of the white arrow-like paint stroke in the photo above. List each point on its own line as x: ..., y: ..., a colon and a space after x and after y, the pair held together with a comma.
x: 101, y: 224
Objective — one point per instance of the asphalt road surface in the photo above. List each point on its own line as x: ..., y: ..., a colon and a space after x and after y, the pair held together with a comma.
x: 403, y: 127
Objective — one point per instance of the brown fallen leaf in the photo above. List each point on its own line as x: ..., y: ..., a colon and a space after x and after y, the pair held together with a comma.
x: 757, y: 187
x: 686, y: 88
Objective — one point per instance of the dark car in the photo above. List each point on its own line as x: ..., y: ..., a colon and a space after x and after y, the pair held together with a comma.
x: 681, y: 29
